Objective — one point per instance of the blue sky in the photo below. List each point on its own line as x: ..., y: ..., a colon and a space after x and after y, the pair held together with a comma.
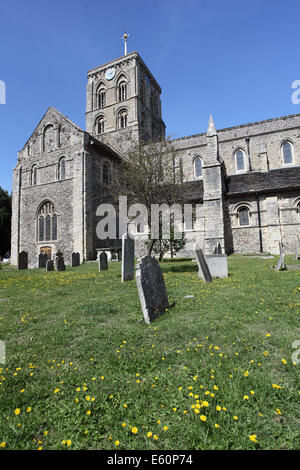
x: 234, y: 59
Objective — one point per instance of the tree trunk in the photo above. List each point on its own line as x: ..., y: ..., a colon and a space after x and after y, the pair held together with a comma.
x: 151, y: 247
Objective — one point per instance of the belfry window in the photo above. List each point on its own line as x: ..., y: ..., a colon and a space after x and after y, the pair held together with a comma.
x: 122, y: 89
x: 101, y: 98
x: 287, y: 152
x: 198, y: 167
x: 34, y: 175
x: 100, y: 123
x: 122, y: 119
x: 47, y: 223
x: 240, y: 160
x: 243, y: 215
x: 62, y: 169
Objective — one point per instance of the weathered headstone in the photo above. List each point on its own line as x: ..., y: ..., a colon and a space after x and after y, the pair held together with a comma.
x: 103, y: 264
x: 203, y: 269
x: 151, y: 288
x: 127, y: 258
x: 217, y: 265
x: 42, y: 260
x: 23, y: 260
x: 50, y: 265
x: 75, y: 259
x: 281, y: 264
x: 59, y: 261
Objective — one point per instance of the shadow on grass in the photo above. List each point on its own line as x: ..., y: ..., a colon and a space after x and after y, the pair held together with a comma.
x: 185, y: 268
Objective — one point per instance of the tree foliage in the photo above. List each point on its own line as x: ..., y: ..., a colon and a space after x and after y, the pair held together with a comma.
x: 5, y: 221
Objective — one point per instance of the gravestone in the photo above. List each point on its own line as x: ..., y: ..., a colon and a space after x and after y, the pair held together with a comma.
x: 59, y: 261
x: 23, y: 260
x: 151, y: 288
x: 203, y: 269
x: 127, y: 258
x: 103, y: 264
x: 50, y: 265
x: 42, y: 260
x: 281, y: 266
x: 217, y: 265
x: 75, y: 259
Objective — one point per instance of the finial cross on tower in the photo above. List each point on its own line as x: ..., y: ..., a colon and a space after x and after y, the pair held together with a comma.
x: 125, y: 37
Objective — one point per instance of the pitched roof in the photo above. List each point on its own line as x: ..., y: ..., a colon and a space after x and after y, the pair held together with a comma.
x: 280, y: 179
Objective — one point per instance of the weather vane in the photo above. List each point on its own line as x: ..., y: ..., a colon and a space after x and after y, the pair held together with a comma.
x: 125, y: 36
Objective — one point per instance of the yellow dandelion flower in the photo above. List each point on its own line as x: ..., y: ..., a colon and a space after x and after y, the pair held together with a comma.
x: 2, y: 444
x: 28, y: 409
x: 56, y: 390
x: 246, y: 397
x: 117, y: 443
x: 278, y: 411
x: 217, y: 426
x: 235, y: 418
x: 134, y: 430
x: 218, y: 408
x: 253, y: 437
x: 123, y: 425
x: 17, y: 411
x: 149, y: 434
x: 88, y: 412
x: 166, y: 428
x: 155, y: 437
x: 203, y: 418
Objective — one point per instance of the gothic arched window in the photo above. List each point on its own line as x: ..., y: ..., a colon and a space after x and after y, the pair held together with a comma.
x: 47, y: 222
x: 240, y: 160
x: 62, y: 169
x: 122, y: 91
x: 122, y: 119
x: 243, y: 215
x: 198, y: 167
x: 34, y: 175
x: 100, y: 124
x: 287, y: 152
x: 101, y: 95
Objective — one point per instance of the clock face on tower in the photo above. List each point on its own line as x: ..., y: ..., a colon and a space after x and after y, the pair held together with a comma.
x: 110, y: 73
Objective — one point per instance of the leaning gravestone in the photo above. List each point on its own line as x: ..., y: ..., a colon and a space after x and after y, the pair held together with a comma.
x: 50, y: 265
x: 281, y: 264
x: 42, y: 260
x: 151, y: 288
x: 103, y: 264
x: 59, y: 261
x: 127, y: 258
x: 23, y: 260
x: 75, y: 259
x: 203, y: 269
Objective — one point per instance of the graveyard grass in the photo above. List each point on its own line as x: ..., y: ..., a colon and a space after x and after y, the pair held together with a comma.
x: 214, y: 372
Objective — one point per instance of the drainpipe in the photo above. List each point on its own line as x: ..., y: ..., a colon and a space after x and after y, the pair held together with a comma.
x: 247, y: 139
x: 259, y: 223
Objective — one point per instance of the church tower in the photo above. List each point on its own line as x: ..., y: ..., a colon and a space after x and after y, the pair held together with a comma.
x: 124, y: 97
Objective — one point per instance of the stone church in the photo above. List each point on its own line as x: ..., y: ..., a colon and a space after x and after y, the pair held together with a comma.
x: 245, y: 179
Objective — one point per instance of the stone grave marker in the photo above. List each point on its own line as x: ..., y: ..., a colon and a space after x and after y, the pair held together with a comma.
x: 50, y: 265
x: 23, y: 260
x: 75, y: 259
x: 42, y: 260
x: 59, y: 261
x: 217, y: 265
x: 103, y: 264
x: 151, y: 288
x: 127, y: 258
x: 281, y: 264
x: 203, y: 269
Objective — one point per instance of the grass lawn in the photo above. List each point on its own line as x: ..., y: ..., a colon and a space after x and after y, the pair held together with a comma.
x: 214, y: 372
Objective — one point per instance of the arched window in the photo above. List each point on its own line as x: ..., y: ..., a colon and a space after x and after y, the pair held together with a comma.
x: 62, y: 169
x: 101, y: 94
x: 34, y: 175
x: 105, y: 173
x: 287, y: 152
x: 100, y: 123
x: 122, y: 91
x: 198, y: 167
x: 243, y: 215
x: 47, y: 222
x: 49, y: 138
x: 122, y: 119
x: 240, y: 160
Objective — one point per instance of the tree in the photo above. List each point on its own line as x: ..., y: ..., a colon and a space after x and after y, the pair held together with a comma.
x: 149, y: 173
x: 5, y: 221
x: 168, y: 245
